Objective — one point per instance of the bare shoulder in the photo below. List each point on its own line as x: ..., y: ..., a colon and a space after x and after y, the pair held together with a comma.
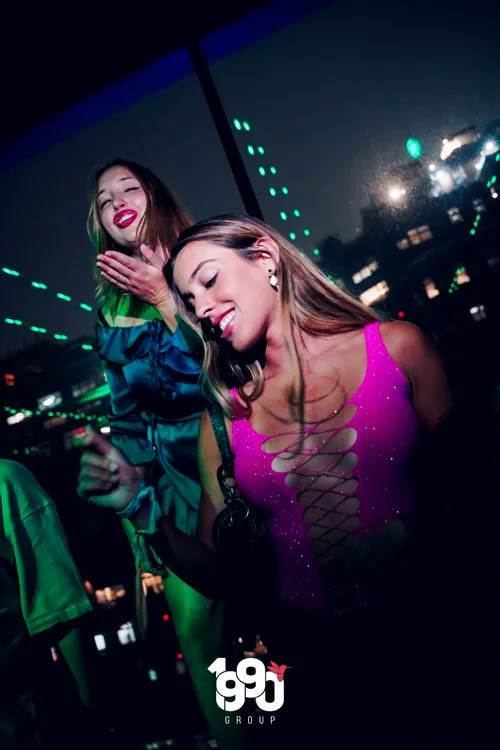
x: 421, y: 364
x: 406, y: 343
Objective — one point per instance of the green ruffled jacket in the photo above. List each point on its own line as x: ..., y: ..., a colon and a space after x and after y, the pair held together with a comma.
x: 155, y: 410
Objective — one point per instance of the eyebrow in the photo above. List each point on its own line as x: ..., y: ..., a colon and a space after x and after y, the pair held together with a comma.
x: 120, y: 180
x: 200, y: 265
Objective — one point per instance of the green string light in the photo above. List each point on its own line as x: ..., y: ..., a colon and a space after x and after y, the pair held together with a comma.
x: 87, y: 347
x: 41, y: 285
x: 272, y: 191
x: 316, y: 251
x: 13, y: 321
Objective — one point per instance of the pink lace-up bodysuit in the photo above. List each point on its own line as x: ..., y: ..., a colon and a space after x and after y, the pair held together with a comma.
x: 338, y: 502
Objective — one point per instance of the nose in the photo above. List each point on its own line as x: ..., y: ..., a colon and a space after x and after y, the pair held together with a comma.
x: 118, y: 202
x: 203, y: 309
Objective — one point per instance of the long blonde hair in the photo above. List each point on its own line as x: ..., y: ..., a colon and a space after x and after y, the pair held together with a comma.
x: 165, y: 218
x: 308, y: 300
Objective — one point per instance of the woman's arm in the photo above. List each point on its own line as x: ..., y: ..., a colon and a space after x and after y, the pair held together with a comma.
x: 194, y: 559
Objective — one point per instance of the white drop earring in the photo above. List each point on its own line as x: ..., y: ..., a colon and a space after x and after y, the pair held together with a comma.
x: 273, y: 281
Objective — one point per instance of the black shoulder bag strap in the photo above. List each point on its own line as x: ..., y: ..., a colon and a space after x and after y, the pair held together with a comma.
x: 237, y: 508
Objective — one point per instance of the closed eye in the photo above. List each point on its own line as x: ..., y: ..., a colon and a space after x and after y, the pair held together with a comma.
x: 107, y: 200
x: 211, y: 282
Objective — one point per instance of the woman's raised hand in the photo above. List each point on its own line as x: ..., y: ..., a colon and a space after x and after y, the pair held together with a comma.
x: 134, y: 276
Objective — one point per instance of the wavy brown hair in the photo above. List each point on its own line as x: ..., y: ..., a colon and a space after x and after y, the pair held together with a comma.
x: 309, y: 302
x: 165, y: 218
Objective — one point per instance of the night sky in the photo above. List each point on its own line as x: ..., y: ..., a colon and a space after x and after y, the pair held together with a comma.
x: 334, y: 99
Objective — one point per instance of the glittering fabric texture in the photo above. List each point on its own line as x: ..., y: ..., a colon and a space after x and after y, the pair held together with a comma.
x: 340, y: 498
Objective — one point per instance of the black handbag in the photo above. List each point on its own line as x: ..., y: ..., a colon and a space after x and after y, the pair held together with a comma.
x: 245, y: 553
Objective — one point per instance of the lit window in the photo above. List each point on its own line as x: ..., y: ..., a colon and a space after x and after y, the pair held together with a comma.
x: 365, y: 272
x: 419, y: 234
x: 374, y: 293
x: 51, y: 399
x: 403, y: 244
x: 479, y: 206
x: 424, y: 233
x: 478, y: 313
x: 126, y: 634
x: 455, y: 215
x: 431, y: 288
x: 100, y: 642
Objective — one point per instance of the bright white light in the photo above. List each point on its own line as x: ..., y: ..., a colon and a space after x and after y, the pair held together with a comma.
x: 442, y: 175
x: 432, y: 167
x: 51, y: 399
x: 396, y: 193
x: 490, y: 147
x: 494, y: 195
x: 105, y: 429
x: 15, y: 418
x: 126, y: 633
x: 100, y: 642
x: 478, y: 313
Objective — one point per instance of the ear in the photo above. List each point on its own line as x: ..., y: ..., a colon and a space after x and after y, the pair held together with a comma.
x: 269, y: 254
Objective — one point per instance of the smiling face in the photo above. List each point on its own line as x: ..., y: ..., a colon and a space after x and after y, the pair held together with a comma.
x: 121, y: 205
x: 230, y: 291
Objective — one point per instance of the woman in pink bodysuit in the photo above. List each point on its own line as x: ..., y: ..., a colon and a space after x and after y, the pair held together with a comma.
x: 323, y: 426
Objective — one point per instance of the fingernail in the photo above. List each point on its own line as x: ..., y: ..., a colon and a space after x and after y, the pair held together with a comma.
x: 113, y: 466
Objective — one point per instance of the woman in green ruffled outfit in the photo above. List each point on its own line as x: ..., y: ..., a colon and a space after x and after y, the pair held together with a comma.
x: 152, y: 370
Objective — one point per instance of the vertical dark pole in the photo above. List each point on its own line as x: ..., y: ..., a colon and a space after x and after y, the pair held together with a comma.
x: 224, y: 130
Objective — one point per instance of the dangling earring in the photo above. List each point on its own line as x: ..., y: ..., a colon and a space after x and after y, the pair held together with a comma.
x: 273, y: 281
